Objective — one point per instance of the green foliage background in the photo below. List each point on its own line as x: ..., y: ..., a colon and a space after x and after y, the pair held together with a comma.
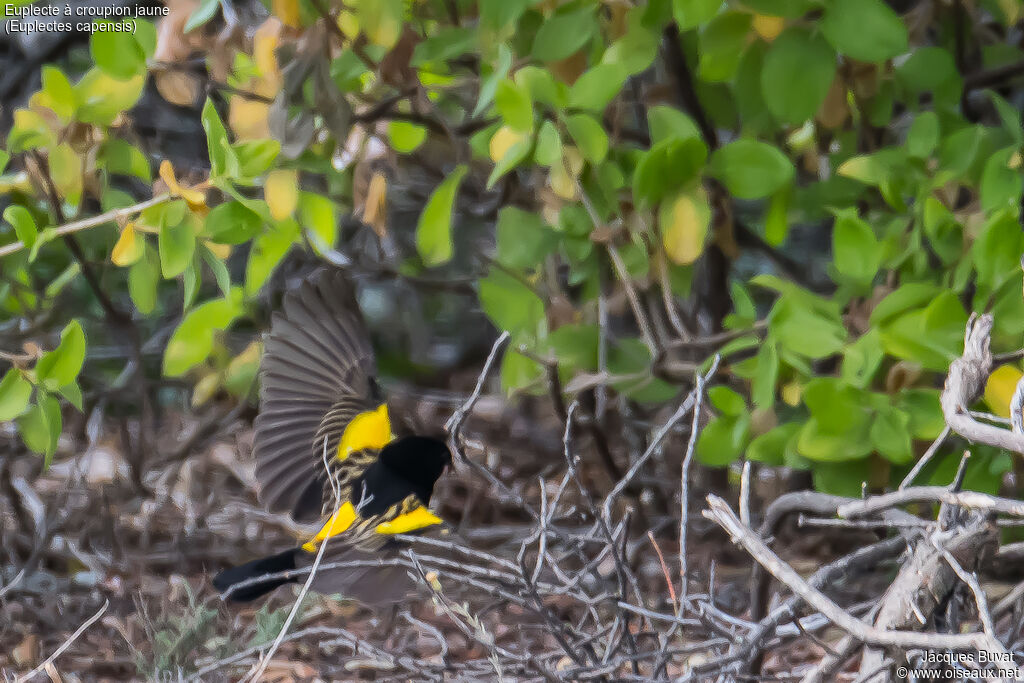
x: 818, y: 191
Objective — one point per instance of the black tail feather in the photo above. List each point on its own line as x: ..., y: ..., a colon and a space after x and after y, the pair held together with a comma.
x: 250, y: 570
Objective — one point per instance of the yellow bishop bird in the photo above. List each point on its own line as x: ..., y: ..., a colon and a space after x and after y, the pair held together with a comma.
x: 325, y: 450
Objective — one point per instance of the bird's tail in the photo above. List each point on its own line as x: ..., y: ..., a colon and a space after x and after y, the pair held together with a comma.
x: 264, y: 566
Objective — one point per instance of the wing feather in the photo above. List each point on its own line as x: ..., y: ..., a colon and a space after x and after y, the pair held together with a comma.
x: 317, y: 362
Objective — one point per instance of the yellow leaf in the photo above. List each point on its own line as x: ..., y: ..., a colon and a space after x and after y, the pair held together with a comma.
x: 1000, y: 387
x: 348, y: 22
x: 502, y: 141
x: 221, y: 251
x: 281, y: 190
x: 264, y: 53
x: 561, y: 183
x: 287, y: 11
x: 248, y: 118
x: 768, y: 27
x: 196, y: 199
x: 562, y: 177
x: 129, y: 247
x: 684, y: 224
x: 375, y: 208
x: 205, y: 389
x: 791, y: 393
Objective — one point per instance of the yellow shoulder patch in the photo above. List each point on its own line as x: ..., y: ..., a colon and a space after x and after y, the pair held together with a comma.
x: 418, y: 518
x: 339, y: 522
x: 370, y: 429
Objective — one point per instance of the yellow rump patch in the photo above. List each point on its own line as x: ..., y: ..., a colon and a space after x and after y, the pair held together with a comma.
x: 371, y: 429
x: 416, y: 519
x: 339, y: 522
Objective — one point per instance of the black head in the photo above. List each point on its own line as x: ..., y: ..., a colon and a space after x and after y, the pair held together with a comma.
x: 410, y: 465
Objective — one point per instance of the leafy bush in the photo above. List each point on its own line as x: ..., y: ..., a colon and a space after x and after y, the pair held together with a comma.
x: 666, y: 174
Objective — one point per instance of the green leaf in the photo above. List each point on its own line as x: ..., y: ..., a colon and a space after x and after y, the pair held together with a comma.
x: 589, y: 136
x: 492, y: 77
x: 177, y: 243
x: 61, y: 366
x: 56, y: 94
x: 931, y: 69
x: 542, y: 86
x: 960, y: 150
x: 776, y: 218
x: 548, y: 150
x: 751, y: 169
x: 66, y: 173
x: 692, y: 13
x: 1007, y: 114
x: 597, y: 87
x: 721, y: 45
x: 117, y: 53
x: 636, y: 50
x: 102, y: 98
x: 223, y: 161
x: 770, y: 448
x: 797, y: 74
x: 519, y: 372
x: 510, y: 304
x: 513, y: 103
x: 862, y: 358
x: 15, y: 392
x: 856, y: 252
x: 218, y: 268
x: 931, y: 336
x: 866, y: 30
x: 805, y: 331
x: 381, y: 20
x: 514, y: 156
x: 267, y: 251
x: 779, y: 8
x: 73, y: 394
x: 766, y: 376
x: 23, y: 223
x: 206, y: 10
x: 727, y: 401
x: 319, y: 215
x: 906, y: 297
x: 524, y: 240
x: 666, y: 167
x: 1001, y: 185
x: 40, y: 427
x: 255, y: 157
x: 232, y: 223
x: 666, y: 122
x: 30, y: 130
x: 192, y: 341
x: 722, y: 440
x: 923, y: 136
x: 443, y: 45
x: 434, y: 229
x: 924, y: 410
x: 346, y: 71
x: 563, y: 33
x: 123, y: 158
x: 405, y: 137
x: 997, y: 250
x: 143, y: 280
x: 890, y: 435
x: 842, y: 478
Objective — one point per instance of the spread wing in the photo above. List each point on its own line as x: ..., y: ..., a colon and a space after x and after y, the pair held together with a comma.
x: 317, y: 375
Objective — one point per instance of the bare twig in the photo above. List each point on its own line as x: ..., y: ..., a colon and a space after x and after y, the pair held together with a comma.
x: 64, y: 646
